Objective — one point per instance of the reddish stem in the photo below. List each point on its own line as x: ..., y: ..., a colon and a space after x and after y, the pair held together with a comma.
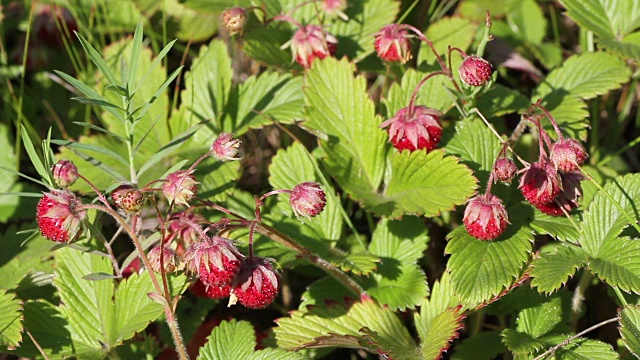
x: 417, y: 89
x: 548, y: 115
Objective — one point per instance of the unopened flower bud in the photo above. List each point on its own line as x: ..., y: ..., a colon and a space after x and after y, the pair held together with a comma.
x: 65, y: 173
x: 311, y: 42
x: 169, y: 259
x: 568, y: 154
x: 392, y: 44
x: 180, y: 187
x: 504, y: 169
x: 128, y: 198
x: 225, y: 147
x: 475, y: 71
x: 234, y: 19
x: 307, y: 199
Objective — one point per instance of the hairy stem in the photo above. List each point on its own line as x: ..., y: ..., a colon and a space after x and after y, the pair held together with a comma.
x: 569, y: 340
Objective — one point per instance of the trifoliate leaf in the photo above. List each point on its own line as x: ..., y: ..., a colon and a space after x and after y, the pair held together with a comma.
x: 630, y: 328
x: 10, y: 319
x: 424, y: 184
x: 449, y: 31
x: 482, y: 346
x: 229, y: 340
x: 605, y: 18
x: 539, y: 320
x: 553, y: 269
x: 263, y: 100
x: 206, y: 93
x: 339, y: 110
x: 481, y: 270
x: 348, y: 325
x: 613, y: 257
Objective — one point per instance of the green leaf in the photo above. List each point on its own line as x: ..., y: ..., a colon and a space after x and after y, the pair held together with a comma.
x: 327, y: 290
x: 264, y: 99
x: 229, y: 340
x: 560, y: 227
x: 539, y: 320
x: 10, y: 319
x: 339, y: 325
x: 91, y: 94
x: 167, y: 149
x: 77, y: 146
x: 217, y: 179
x: 571, y: 114
x: 582, y: 348
x: 553, y: 269
x: 96, y: 102
x: 356, y: 263
x: 520, y: 343
x: 500, y: 100
x: 443, y: 329
x: 630, y: 328
x: 424, y: 184
x: 586, y: 75
x: 441, y: 299
x: 481, y: 270
x: 98, y: 61
x: 134, y: 310
x: 135, y: 56
x: 627, y: 48
x: 482, y: 346
x: 432, y: 94
x: 449, y: 31
x: 528, y: 22
x: 34, y: 157
x: 340, y: 111
x: 47, y: 325
x: 20, y: 258
x: 399, y: 282
x: 608, y: 19
x: 264, y: 44
x: 207, y: 88
x: 614, y: 257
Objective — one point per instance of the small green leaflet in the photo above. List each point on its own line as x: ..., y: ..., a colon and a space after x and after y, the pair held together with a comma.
x: 630, y: 328
x: 10, y: 319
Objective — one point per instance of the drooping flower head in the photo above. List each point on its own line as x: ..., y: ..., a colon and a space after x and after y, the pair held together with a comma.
x: 540, y: 183
x: 215, y: 260
x: 485, y: 217
x: 256, y: 285
x: 310, y: 42
x: 567, y: 154
x: 568, y: 198
x: 234, y: 19
x: 392, y: 44
x: 225, y: 147
x: 58, y: 216
x: 180, y: 187
x: 307, y: 199
x: 415, y: 130
x: 65, y: 173
x: 128, y: 198
x: 504, y: 169
x: 475, y: 71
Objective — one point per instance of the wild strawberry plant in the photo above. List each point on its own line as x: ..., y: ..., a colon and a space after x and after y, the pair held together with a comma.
x: 328, y: 178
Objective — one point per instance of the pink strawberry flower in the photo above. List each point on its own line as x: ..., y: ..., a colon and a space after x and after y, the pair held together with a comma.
x: 392, y: 44
x: 225, y: 147
x: 415, y: 130
x: 485, y: 217
x: 58, y: 216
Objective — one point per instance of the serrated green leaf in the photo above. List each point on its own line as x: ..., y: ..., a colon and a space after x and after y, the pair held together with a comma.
x: 552, y: 270
x: 403, y: 240
x: 229, y: 340
x: 500, y: 100
x: 432, y: 94
x: 627, y: 48
x: 49, y: 328
x: 442, y: 297
x: 586, y: 75
x: 10, y: 320
x: 356, y: 263
x: 338, y: 325
x: 338, y: 107
x: 609, y: 19
x: 560, y: 227
x: 20, y: 258
x: 480, y: 270
x: 539, y: 320
x: 443, y: 329
x: 571, y: 114
x: 582, y: 348
x: 325, y: 290
x: 134, y: 310
x: 520, y: 343
x: 207, y: 87
x: 549, y: 54
x: 87, y: 305
x: 528, y: 22
x: 449, y: 31
x: 265, y: 99
x: 482, y: 346
x: 424, y: 184
x: 293, y: 166
x: 614, y: 258
x: 630, y: 328
x: 264, y: 44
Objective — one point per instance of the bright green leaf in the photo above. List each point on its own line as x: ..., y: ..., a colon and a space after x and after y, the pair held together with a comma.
x: 10, y: 319
x: 448, y: 31
x: 559, y: 227
x: 630, y: 328
x: 520, y: 343
x: 539, y: 320
x: 553, y: 269
x: 229, y: 340
x: 627, y: 48
x: 606, y: 18
x: 528, y: 22
x: 500, y: 100
x: 442, y: 330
